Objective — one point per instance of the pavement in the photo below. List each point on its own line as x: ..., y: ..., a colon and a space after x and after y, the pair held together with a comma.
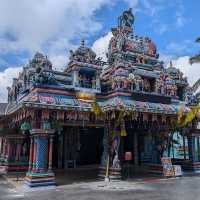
x: 183, y: 188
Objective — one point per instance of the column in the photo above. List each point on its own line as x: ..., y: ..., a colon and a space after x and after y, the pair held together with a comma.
x: 50, y: 153
x: 191, y: 147
x: 41, y: 153
x: 8, y: 153
x: 1, y: 145
x: 34, y: 155
x: 40, y: 161
x: 98, y: 84
x: 4, y: 148
x: 135, y: 150
x: 31, y: 154
x: 60, y: 151
x: 105, y: 148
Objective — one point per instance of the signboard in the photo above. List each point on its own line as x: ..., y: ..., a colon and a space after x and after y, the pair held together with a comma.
x: 53, y: 99
x: 128, y: 156
x: 177, y: 170
x: 85, y: 97
x: 168, y: 170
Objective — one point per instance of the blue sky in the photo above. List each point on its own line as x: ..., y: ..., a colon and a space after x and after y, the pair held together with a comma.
x: 54, y: 27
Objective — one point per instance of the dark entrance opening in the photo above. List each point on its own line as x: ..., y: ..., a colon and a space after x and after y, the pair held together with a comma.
x: 91, y: 146
x: 78, y: 146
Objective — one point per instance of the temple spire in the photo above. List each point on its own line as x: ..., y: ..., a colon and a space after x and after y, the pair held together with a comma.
x: 82, y: 43
x: 126, y: 19
x: 170, y: 64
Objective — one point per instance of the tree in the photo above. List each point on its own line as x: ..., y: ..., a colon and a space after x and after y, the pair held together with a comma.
x: 196, y: 58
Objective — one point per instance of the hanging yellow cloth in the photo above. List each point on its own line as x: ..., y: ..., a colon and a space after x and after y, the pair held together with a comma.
x: 123, y: 132
x: 191, y: 115
x: 181, y: 116
x: 96, y: 108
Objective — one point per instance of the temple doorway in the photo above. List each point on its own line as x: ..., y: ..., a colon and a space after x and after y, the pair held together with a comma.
x: 91, y: 146
x: 77, y: 147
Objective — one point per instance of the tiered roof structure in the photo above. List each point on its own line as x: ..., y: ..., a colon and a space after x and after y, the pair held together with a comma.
x: 133, y: 74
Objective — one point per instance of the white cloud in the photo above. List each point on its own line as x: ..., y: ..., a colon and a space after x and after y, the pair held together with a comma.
x: 46, y: 24
x: 6, y: 78
x: 180, y: 21
x: 59, y: 61
x: 192, y: 72
x: 180, y: 18
x: 100, y: 46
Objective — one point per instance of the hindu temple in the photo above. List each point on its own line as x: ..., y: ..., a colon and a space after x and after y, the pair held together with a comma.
x: 97, y: 112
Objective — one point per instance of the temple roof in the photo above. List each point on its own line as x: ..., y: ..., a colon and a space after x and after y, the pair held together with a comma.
x: 83, y: 54
x: 39, y: 60
x: 125, y: 45
x: 140, y: 106
x: 132, y: 67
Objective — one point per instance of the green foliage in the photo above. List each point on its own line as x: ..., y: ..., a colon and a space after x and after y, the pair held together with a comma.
x: 196, y: 58
x: 198, y: 40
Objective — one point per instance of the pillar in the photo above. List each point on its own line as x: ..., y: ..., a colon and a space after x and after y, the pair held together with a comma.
x: 60, y: 151
x: 50, y: 153
x: 191, y: 148
x: 105, y: 153
x: 135, y: 150
x: 31, y: 155
x: 98, y: 83
x: 41, y: 153
x: 40, y: 161
x: 8, y: 153
x: 1, y: 145
x: 4, y: 147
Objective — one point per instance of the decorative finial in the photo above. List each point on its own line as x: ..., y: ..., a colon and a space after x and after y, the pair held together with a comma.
x: 82, y: 44
x: 126, y: 19
x: 171, y: 64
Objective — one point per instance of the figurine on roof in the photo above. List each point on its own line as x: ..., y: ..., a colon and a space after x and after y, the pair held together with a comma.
x: 170, y: 87
x: 39, y: 60
x: 151, y: 50
x: 43, y: 77
x: 189, y: 96
x: 126, y: 19
x: 83, y: 54
x: 120, y: 79
x: 139, y: 83
x: 160, y: 86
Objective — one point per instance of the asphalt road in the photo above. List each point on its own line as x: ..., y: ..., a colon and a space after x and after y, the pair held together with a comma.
x: 185, y: 188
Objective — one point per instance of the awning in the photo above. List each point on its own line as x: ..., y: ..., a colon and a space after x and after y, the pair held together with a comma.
x: 120, y: 103
x: 116, y: 103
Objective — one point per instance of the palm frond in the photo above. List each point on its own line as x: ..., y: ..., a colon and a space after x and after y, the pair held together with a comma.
x: 195, y: 59
x: 198, y: 40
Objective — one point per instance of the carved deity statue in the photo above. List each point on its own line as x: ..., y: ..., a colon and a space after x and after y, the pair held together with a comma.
x: 120, y: 42
x: 139, y: 84
x: 126, y: 19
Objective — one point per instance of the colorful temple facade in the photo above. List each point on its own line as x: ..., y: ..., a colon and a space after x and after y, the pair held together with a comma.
x: 94, y: 111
